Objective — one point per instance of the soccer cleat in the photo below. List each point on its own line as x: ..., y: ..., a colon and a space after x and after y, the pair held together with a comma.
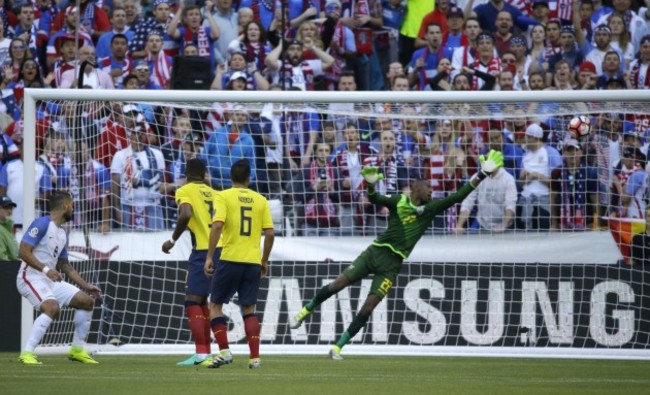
x: 254, y: 363
x: 195, y: 360
x: 223, y: 358
x: 29, y: 358
x: 335, y: 353
x: 299, y: 318
x: 80, y: 355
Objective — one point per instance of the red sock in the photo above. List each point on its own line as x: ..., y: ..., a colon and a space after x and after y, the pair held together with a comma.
x: 220, y: 330
x: 252, y: 328
x: 207, y: 332
x: 198, y: 321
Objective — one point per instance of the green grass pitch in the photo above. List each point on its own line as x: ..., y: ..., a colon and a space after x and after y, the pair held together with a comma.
x: 143, y: 375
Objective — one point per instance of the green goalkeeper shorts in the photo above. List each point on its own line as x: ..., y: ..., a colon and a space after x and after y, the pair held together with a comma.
x: 380, y: 261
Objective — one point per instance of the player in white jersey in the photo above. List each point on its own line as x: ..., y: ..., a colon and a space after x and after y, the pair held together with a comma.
x: 44, y: 255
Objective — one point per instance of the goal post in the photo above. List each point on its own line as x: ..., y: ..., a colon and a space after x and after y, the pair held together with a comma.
x: 522, y: 293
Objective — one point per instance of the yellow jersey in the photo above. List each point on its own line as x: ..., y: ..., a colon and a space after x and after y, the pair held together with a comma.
x: 244, y: 213
x: 202, y: 199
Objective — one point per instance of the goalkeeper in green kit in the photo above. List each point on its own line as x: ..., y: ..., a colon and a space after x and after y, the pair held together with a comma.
x: 409, y: 218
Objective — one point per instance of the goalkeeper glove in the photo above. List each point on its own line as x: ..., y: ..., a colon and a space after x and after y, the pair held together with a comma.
x: 371, y: 175
x: 491, y: 164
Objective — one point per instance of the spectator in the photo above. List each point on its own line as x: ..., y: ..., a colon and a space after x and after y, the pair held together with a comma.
x: 67, y: 56
x: 57, y: 160
x: 263, y: 11
x: 11, y: 185
x: 309, y: 31
x: 27, y: 30
x: 94, y: 21
x: 253, y: 45
x: 300, y: 128
x: 562, y: 77
x: 574, y: 190
x: 340, y: 43
x: 8, y: 246
x: 569, y: 51
x: 621, y: 40
x: 160, y: 64
x: 635, y: 24
x: 227, y: 20
x: 118, y: 64
x: 512, y: 153
x: 463, y: 56
x: 411, y: 27
x: 438, y: 16
x: 5, y: 45
x: 396, y: 179
x: 17, y: 52
x: 133, y: 13
x: 496, y: 204
x: 347, y: 160
x: 70, y: 27
x: 9, y: 150
x: 633, y: 189
x: 387, y: 44
x: 30, y: 74
x: 503, y: 33
x: 143, y: 72
x: 119, y: 26
x: 487, y: 15
x: 143, y: 26
x: 113, y: 136
x: 192, y: 31
x: 640, y: 67
x: 553, y: 27
x: 92, y: 77
x: 424, y: 63
x: 320, y: 194
x: 538, y: 161
x: 136, y: 174
x: 536, y: 81
x: 522, y: 61
x: 237, y: 64
x: 294, y: 71
x: 538, y: 48
x: 271, y: 118
x: 610, y: 68
x: 603, y: 38
x: 485, y: 61
x: 586, y: 76
x: 96, y: 192
x: 227, y: 145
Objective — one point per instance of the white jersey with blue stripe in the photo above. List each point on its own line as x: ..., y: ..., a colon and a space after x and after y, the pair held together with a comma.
x: 49, y: 242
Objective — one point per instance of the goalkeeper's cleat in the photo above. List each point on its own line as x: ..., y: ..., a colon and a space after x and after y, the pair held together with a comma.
x: 299, y: 318
x: 254, y: 363
x: 335, y: 353
x: 223, y: 358
x: 29, y: 358
x: 80, y: 355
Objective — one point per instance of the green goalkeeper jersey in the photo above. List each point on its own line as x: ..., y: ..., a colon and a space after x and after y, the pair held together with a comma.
x: 407, y: 222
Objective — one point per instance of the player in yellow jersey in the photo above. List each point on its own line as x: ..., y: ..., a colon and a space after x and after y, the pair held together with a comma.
x: 242, y: 215
x: 196, y: 202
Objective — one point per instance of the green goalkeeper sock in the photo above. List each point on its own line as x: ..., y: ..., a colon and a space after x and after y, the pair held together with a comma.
x: 322, y: 295
x: 354, y: 328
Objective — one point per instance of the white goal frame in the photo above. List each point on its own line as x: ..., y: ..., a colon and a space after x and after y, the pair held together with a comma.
x: 33, y: 95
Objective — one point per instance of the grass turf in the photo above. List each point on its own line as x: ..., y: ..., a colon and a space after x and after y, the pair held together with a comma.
x: 143, y: 375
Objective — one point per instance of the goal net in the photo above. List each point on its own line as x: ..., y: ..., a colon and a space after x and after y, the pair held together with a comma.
x: 546, y: 258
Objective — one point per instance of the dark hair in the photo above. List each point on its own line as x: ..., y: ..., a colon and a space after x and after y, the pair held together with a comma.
x: 112, y: 12
x: 240, y: 172
x: 128, y: 78
x: 262, y: 32
x: 195, y: 169
x: 119, y: 35
x: 58, y: 199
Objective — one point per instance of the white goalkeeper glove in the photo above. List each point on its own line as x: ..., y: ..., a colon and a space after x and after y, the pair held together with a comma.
x: 489, y: 165
x: 371, y: 175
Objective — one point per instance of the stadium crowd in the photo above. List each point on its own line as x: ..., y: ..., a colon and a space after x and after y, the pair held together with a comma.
x: 124, y: 161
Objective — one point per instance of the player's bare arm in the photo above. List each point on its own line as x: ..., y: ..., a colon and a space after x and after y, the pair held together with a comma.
x: 66, y: 268
x: 25, y: 252
x: 269, y: 238
x: 184, y: 215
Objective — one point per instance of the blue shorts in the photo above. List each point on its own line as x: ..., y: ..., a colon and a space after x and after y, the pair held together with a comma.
x: 241, y: 278
x: 197, y: 283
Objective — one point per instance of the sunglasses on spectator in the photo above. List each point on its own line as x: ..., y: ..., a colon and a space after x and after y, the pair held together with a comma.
x: 29, y: 66
x: 142, y: 69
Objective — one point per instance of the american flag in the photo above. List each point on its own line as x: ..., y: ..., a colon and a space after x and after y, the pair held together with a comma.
x: 557, y: 8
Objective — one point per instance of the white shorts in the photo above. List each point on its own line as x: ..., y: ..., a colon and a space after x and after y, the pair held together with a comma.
x: 38, y: 288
